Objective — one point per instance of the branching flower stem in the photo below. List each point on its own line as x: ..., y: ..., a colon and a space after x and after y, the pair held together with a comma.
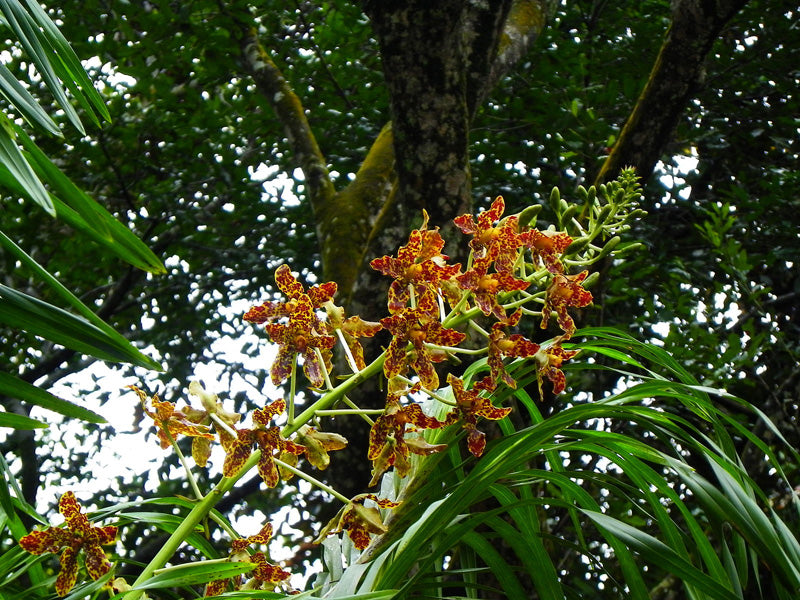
x: 456, y: 349
x: 336, y: 394
x: 189, y: 523
x: 350, y: 411
x: 207, y: 503
x: 189, y: 475
x: 479, y: 329
x: 351, y: 361
x: 427, y: 392
x: 312, y: 480
x: 223, y: 425
x: 326, y: 376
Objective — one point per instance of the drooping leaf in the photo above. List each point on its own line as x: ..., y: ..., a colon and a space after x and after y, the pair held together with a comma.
x: 13, y: 387
x: 18, y: 169
x: 657, y: 552
x: 20, y: 98
x: 89, y: 210
x: 30, y: 314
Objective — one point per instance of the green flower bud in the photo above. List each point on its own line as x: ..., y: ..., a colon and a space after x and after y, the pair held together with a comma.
x: 555, y: 200
x: 527, y: 218
x: 591, y: 280
x: 568, y: 214
x: 609, y: 246
x: 603, y: 215
x: 577, y: 245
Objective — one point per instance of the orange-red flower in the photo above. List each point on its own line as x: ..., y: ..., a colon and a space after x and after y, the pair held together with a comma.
x: 293, y: 290
x: 78, y: 535
x: 299, y: 336
x: 469, y: 406
x: 485, y: 286
x: 388, y: 445
x: 549, y: 361
x: 564, y: 291
x: 417, y: 326
x: 504, y: 345
x: 358, y: 520
x: 171, y: 422
x: 502, y: 238
x: 265, y: 575
x: 268, y: 439
x: 419, y: 265
x: 547, y: 248
x: 304, y: 330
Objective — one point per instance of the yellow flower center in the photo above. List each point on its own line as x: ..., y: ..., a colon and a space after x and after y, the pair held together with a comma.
x: 505, y: 345
x: 488, y: 236
x: 301, y: 343
x: 543, y: 243
x: 416, y: 335
x: 413, y: 271
x: 489, y: 284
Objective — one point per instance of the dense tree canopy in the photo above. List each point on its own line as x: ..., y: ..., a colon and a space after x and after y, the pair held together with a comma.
x: 248, y: 134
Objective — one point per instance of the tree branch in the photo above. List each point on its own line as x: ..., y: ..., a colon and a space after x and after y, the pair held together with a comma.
x: 288, y: 108
x: 675, y: 77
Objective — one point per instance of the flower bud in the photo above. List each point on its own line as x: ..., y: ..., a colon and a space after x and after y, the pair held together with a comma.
x: 628, y: 247
x: 555, y: 200
x: 568, y: 214
x: 609, y: 246
x: 527, y: 218
x: 591, y: 280
x: 577, y: 245
x: 604, y: 213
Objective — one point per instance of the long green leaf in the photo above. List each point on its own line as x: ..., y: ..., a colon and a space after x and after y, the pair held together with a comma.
x: 20, y: 98
x: 18, y: 168
x: 252, y: 594
x: 529, y: 544
x: 125, y: 244
x: 194, y: 574
x: 14, y: 387
x: 73, y: 73
x: 57, y: 325
x: 658, y: 553
x: 43, y: 275
x: 64, y: 188
x: 731, y: 503
x: 499, y: 566
x: 14, y: 421
x: 39, y: 48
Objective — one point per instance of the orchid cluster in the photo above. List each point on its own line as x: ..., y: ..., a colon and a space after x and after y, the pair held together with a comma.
x: 514, y: 270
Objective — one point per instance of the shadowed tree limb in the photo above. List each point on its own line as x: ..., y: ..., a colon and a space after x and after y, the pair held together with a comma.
x: 674, y: 79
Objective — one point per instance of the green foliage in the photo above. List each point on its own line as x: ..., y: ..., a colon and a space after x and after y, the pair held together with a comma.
x: 630, y: 463
x: 24, y: 173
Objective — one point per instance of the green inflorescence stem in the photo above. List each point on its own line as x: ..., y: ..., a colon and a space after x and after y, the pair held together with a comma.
x: 204, y: 506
